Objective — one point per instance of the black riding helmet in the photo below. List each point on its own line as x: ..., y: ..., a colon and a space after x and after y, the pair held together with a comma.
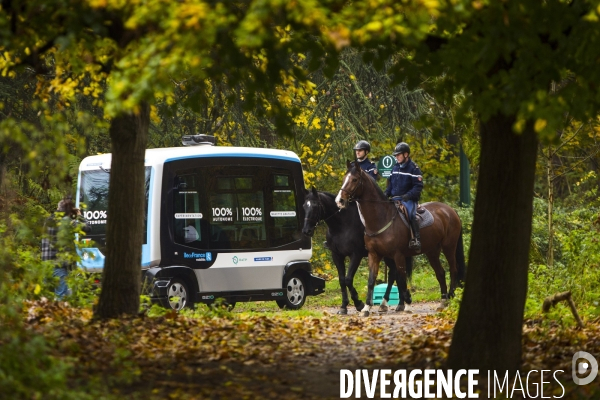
x: 401, y: 148
x: 363, y: 145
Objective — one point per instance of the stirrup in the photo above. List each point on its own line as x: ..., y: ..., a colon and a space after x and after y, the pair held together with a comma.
x: 415, y: 245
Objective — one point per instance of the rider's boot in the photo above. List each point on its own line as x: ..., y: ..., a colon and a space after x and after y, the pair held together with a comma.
x: 415, y: 243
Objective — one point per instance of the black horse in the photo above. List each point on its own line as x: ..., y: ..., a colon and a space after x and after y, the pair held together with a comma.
x: 346, y: 238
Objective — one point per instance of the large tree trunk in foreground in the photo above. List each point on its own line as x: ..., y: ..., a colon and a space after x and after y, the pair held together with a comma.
x: 122, y: 269
x: 487, y: 335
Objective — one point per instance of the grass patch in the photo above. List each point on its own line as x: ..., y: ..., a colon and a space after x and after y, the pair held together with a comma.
x: 424, y: 287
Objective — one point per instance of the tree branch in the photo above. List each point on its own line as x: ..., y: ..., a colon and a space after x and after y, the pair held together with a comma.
x: 576, y: 164
x: 551, y: 301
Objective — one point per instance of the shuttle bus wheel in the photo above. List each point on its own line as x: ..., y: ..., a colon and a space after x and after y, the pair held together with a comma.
x: 178, y: 295
x: 294, y: 294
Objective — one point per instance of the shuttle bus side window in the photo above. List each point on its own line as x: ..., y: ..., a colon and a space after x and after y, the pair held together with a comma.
x: 188, y: 214
x: 222, y: 209
x: 285, y: 218
x: 236, y: 207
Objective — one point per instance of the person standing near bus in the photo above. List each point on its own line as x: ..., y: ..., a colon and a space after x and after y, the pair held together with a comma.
x: 58, y: 242
x: 361, y: 150
x: 404, y: 185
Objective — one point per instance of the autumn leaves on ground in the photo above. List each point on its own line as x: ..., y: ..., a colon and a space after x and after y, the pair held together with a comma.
x: 226, y: 355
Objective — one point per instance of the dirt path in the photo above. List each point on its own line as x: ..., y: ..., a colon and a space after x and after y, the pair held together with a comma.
x: 322, y: 379
x: 415, y: 309
x: 316, y: 373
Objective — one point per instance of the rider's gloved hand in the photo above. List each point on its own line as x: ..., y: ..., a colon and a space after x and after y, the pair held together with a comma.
x: 406, y: 197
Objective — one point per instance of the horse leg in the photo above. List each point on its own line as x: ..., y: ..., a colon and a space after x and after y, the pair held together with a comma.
x: 450, y: 254
x: 338, y: 260
x: 434, y: 260
x: 383, y: 308
x: 401, y: 282
x: 355, y: 260
x: 374, y: 260
x: 404, y: 297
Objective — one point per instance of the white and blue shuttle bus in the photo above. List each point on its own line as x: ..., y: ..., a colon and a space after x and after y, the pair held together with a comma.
x: 220, y: 222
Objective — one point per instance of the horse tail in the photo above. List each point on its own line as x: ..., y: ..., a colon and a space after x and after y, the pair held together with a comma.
x: 460, y: 258
x: 409, y: 267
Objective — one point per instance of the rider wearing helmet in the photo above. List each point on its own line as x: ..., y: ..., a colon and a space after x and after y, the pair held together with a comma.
x: 405, y: 185
x: 361, y: 150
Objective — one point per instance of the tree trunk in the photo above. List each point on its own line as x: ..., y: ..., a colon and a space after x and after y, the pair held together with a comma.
x: 488, y: 331
x: 121, y: 278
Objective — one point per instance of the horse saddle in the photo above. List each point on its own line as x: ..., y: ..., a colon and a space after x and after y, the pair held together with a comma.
x: 424, y: 216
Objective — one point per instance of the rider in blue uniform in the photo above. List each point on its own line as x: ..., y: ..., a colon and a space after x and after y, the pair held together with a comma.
x: 405, y: 185
x: 361, y: 150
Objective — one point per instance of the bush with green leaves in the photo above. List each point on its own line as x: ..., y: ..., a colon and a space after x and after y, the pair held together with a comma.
x: 576, y: 265
x: 28, y: 367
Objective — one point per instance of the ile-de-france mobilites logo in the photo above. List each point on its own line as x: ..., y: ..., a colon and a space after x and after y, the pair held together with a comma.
x: 581, y: 368
x: 199, y: 256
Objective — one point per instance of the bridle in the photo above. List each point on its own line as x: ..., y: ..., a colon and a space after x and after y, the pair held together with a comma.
x: 360, y: 183
x: 319, y: 218
x: 351, y: 197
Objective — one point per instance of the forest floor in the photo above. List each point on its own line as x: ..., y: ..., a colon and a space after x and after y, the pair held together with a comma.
x: 361, y: 343
x: 227, y: 355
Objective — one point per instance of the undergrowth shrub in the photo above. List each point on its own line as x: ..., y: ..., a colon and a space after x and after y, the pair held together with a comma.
x: 576, y: 265
x: 28, y: 367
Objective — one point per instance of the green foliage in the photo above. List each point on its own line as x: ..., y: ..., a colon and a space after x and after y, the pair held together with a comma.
x: 28, y: 367
x: 576, y: 266
x: 577, y: 258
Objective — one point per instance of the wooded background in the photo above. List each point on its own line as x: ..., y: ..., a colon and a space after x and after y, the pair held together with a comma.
x: 514, y: 83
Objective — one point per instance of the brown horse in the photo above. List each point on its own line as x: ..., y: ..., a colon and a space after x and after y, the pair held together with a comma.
x: 387, y: 236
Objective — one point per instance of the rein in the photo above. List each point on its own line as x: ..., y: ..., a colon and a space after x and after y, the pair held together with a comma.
x: 382, y: 229
x: 321, y: 212
x: 351, y: 194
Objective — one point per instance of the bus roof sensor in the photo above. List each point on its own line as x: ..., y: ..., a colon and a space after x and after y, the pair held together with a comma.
x: 195, y: 140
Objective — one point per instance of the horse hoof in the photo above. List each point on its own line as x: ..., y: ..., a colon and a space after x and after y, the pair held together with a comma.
x: 442, y: 305
x: 342, y: 311
x: 366, y: 313
x: 359, y: 306
x: 400, y: 307
x: 383, y: 309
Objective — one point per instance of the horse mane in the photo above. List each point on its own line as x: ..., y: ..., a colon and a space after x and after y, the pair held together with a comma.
x: 327, y: 194
x: 329, y: 197
x: 377, y: 188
